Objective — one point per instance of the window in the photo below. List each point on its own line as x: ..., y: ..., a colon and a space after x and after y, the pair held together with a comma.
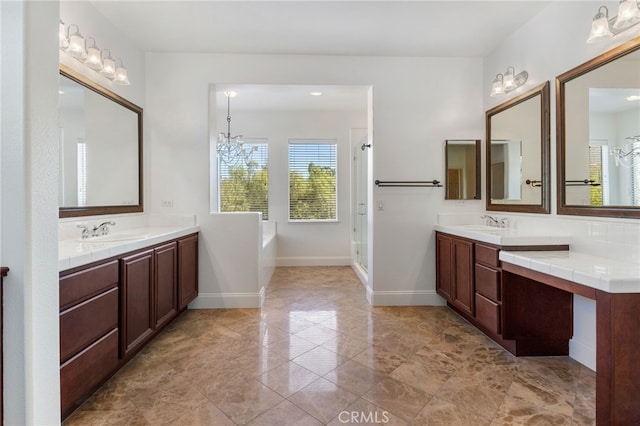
x: 312, y: 180
x: 81, y: 151
x: 245, y: 188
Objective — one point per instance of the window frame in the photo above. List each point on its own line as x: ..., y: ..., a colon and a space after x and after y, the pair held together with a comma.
x: 312, y: 141
x: 246, y: 141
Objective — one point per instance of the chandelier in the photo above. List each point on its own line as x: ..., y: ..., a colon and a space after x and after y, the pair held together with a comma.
x: 627, y: 158
x: 230, y: 148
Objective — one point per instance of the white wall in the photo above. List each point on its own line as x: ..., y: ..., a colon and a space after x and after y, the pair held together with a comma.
x: 549, y: 44
x: 29, y: 216
x: 417, y: 104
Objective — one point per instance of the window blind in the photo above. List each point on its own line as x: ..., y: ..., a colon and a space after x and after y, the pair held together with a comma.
x: 245, y: 188
x: 313, y: 180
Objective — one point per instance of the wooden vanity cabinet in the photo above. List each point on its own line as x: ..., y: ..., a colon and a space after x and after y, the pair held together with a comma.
x: 523, y: 317
x: 137, y: 301
x: 488, y: 281
x: 187, y: 270
x: 110, y: 310
x: 455, y: 271
x: 88, y: 331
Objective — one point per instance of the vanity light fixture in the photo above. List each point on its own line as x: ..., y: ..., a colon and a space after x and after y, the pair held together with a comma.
x: 94, y: 56
x: 63, y: 40
x: 76, y: 43
x: 230, y: 149
x: 121, y: 77
x: 108, y: 65
x: 603, y: 27
x: 505, y: 83
x: 316, y: 93
x: 87, y: 52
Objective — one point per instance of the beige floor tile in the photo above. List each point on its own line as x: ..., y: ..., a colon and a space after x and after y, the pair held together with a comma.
x: 320, y: 360
x: 288, y: 378
x: 418, y: 365
x: 399, y: 398
x: 323, y: 399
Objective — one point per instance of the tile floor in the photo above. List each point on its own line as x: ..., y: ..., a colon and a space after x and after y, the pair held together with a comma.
x: 317, y: 353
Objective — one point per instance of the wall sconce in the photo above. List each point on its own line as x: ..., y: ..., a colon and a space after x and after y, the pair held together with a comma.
x: 86, y: 51
x: 603, y: 27
x: 505, y: 83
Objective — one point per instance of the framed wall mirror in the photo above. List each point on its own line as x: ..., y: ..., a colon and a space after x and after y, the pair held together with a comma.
x: 462, y: 159
x: 100, y: 149
x: 518, y: 146
x: 598, y: 135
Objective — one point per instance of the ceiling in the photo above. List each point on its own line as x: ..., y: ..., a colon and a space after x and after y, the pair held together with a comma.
x: 371, y: 28
x: 359, y: 28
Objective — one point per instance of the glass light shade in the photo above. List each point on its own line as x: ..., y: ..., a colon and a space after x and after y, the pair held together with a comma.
x: 63, y: 42
x: 496, y: 86
x: 108, y: 68
x: 76, y: 46
x: 508, y: 82
x: 121, y: 77
x: 599, y: 29
x: 628, y: 14
x: 93, y: 59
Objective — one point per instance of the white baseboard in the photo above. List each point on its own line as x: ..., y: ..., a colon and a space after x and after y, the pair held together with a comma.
x: 228, y: 300
x: 314, y: 261
x: 582, y: 353
x: 404, y: 298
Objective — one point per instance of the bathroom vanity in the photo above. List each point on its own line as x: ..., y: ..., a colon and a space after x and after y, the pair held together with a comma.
x: 520, y: 293
x: 469, y: 276
x: 112, y: 307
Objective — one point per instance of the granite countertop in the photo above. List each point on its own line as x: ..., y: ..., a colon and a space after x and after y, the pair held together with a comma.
x: 612, y: 276
x: 504, y: 236
x: 77, y: 252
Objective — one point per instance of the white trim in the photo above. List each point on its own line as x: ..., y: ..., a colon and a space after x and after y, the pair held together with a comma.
x: 405, y: 298
x: 583, y: 353
x: 228, y: 300
x: 314, y: 261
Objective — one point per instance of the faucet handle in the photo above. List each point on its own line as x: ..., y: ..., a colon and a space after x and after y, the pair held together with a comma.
x: 85, y: 231
x: 503, y: 222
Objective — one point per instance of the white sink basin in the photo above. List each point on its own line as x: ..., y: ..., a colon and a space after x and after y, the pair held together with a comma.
x: 482, y: 228
x: 124, y: 236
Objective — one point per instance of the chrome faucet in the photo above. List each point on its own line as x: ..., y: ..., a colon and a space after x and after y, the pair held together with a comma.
x: 97, y: 230
x: 490, y: 220
x: 493, y: 221
x: 86, y: 233
x: 102, y: 229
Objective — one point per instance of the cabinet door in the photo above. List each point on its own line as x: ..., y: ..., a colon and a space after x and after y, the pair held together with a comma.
x: 444, y: 267
x: 463, y: 289
x: 187, y: 270
x: 166, y: 291
x: 137, y: 300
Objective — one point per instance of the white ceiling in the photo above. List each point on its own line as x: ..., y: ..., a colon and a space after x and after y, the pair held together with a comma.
x: 273, y: 97
x: 373, y: 28
x: 385, y: 28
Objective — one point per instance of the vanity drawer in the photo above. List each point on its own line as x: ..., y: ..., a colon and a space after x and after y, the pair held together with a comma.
x: 85, y: 284
x: 488, y: 313
x: 86, y: 322
x: 83, y: 373
x: 487, y: 255
x: 488, y: 282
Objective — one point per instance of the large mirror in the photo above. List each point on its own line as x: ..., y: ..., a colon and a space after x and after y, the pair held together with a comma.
x: 100, y: 149
x: 598, y: 134
x: 462, y: 159
x: 518, y: 153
